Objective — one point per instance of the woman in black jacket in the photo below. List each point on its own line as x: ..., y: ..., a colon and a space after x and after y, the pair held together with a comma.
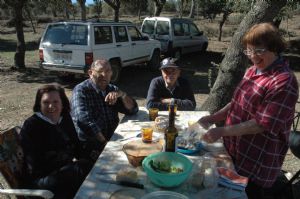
x: 51, y: 146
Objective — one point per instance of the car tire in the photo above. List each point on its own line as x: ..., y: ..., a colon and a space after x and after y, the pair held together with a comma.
x: 177, y: 53
x: 154, y: 62
x: 116, y: 69
x: 204, y: 47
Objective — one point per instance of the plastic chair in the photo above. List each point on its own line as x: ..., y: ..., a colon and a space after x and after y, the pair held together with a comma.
x: 11, y: 167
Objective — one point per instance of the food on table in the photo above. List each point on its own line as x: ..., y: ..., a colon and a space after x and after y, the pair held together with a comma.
x: 127, y: 175
x: 164, y: 166
x: 137, y: 150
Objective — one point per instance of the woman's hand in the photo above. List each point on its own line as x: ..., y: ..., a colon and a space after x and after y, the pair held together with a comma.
x: 212, y: 135
x: 205, y: 121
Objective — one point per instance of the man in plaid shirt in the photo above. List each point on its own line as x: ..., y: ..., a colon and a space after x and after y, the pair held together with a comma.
x: 259, y: 117
x: 95, y: 106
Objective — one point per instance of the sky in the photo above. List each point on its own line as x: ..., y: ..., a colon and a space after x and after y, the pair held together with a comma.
x: 87, y: 1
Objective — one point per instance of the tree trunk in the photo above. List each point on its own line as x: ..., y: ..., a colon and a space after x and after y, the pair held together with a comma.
x: 233, y: 66
x: 116, y: 18
x: 83, y: 9
x: 191, y: 15
x: 159, y: 4
x: 20, y: 50
x: 224, y: 18
x: 30, y: 18
x: 115, y: 4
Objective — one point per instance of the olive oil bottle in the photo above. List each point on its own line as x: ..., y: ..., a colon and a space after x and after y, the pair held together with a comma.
x: 171, y: 132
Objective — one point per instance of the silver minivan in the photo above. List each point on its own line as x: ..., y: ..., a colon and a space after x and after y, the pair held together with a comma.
x: 177, y: 35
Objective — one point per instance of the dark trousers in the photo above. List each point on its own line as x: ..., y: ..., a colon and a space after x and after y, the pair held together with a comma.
x: 279, y: 190
x: 91, y: 149
x: 65, y: 182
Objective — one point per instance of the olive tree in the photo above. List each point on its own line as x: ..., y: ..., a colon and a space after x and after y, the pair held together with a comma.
x: 17, y: 8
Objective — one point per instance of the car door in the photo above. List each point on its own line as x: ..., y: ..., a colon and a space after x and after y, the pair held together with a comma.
x: 122, y: 44
x: 139, y: 45
x: 103, y: 42
x: 197, y: 38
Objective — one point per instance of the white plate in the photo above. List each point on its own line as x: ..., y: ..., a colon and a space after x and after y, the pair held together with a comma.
x: 128, y: 193
x: 217, y: 146
x: 164, y: 195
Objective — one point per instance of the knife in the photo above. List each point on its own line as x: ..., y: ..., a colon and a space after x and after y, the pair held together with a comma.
x: 123, y: 183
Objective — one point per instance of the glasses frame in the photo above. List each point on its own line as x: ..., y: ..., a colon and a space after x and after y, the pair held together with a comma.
x: 256, y: 51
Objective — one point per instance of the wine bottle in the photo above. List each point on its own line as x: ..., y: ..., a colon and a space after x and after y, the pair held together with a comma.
x: 171, y: 132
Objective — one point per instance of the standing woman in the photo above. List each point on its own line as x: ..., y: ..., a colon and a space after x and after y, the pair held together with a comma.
x: 259, y: 117
x: 50, y: 145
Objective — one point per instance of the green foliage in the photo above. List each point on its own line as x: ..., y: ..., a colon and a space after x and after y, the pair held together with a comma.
x: 97, y: 7
x: 211, y: 8
x: 170, y: 6
x: 133, y: 6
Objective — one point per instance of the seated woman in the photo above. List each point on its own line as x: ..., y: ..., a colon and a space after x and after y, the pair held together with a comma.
x: 51, y: 145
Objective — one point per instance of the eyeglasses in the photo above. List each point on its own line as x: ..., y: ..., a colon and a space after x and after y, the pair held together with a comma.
x: 257, y: 51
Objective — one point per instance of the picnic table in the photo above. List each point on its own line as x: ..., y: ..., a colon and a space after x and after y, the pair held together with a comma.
x: 113, y: 159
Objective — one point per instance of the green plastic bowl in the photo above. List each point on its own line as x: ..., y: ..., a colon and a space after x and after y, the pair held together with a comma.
x: 168, y: 179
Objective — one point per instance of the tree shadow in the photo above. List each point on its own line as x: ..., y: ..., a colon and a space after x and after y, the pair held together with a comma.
x: 11, y: 45
x: 135, y: 80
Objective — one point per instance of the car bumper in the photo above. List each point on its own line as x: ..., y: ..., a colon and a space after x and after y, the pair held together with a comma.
x: 64, y: 68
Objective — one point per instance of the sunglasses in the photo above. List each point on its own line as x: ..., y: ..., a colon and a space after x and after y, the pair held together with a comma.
x: 257, y: 51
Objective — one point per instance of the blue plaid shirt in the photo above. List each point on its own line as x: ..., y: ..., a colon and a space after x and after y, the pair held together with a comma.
x: 91, y: 114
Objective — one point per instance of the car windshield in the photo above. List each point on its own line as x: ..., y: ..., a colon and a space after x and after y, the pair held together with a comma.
x: 162, y: 27
x: 66, y: 34
x: 148, y: 26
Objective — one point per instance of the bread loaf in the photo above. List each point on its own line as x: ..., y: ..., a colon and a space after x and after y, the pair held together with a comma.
x: 128, y: 175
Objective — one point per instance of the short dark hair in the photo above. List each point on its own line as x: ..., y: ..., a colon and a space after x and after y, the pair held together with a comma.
x: 49, y: 88
x: 267, y: 35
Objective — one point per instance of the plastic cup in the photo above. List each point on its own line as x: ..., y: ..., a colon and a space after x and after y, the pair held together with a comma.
x: 153, y: 113
x: 147, y: 134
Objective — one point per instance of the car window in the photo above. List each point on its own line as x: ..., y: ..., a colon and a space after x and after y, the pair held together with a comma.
x: 186, y: 29
x: 162, y: 27
x: 178, y: 30
x: 194, y: 30
x: 148, y: 26
x: 103, y: 35
x: 120, y: 33
x: 66, y: 34
x: 134, y: 34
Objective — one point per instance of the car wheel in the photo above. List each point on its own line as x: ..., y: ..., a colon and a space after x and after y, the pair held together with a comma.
x: 177, y: 54
x: 154, y: 63
x: 204, y: 47
x: 116, y: 69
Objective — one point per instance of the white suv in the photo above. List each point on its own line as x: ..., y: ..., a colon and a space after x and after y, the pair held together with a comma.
x: 71, y: 47
x: 177, y: 36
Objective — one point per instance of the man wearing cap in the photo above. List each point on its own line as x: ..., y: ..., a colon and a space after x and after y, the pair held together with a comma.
x: 169, y: 88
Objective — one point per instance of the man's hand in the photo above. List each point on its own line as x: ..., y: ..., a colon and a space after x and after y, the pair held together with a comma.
x: 111, y: 97
x: 166, y: 100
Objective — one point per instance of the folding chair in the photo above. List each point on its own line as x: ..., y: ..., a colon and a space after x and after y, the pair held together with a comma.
x: 11, y: 167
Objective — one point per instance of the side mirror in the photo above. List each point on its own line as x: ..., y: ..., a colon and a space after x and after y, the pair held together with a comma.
x: 200, y: 33
x: 145, y: 38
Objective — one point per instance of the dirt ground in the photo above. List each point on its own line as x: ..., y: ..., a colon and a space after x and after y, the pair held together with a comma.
x: 18, y: 88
